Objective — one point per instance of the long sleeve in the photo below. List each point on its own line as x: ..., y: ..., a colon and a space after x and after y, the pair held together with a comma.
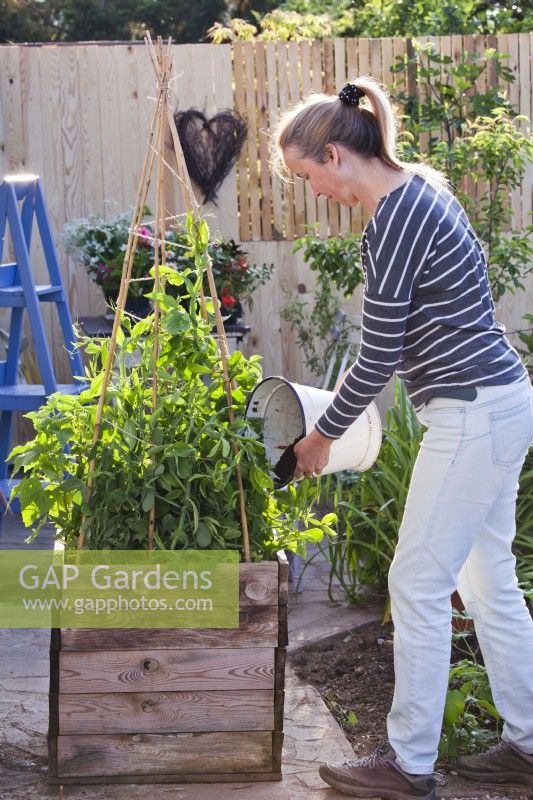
x: 395, y: 249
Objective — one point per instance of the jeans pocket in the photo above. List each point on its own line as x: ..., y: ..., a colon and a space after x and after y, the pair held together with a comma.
x: 512, y: 432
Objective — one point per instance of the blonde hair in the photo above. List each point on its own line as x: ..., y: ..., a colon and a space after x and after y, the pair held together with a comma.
x: 368, y: 130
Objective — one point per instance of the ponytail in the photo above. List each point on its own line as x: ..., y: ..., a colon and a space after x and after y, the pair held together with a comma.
x: 367, y: 130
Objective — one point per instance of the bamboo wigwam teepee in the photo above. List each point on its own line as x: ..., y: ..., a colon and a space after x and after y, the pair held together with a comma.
x: 137, y: 705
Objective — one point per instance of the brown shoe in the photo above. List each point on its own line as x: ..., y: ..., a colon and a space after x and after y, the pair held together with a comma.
x: 505, y: 763
x: 378, y: 775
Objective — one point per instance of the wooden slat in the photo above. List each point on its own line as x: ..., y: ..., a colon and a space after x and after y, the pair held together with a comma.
x: 251, y: 116
x: 109, y: 90
x: 329, y: 87
x: 153, y: 754
x: 317, y: 83
x: 340, y: 80
x: 279, y: 688
x: 359, y: 215
x: 351, y: 59
x: 277, y: 747
x: 166, y: 670
x: 272, y: 89
x: 526, y: 108
x: 423, y: 93
x: 258, y: 628
x: 310, y: 200
x: 91, y: 160
x: 513, y: 43
x: 263, y: 123
x: 53, y: 707
x: 226, y: 209
x: 146, y: 93
x: 295, y: 95
x: 53, y: 180
x: 374, y: 59
x: 288, y: 188
x: 265, y: 337
x: 13, y: 130
x: 387, y: 60
x: 468, y: 49
x: 131, y: 161
x: 71, y: 145
x: 200, y: 95
x: 242, y: 166
x: 175, y: 777
x: 166, y: 712
x: 283, y: 579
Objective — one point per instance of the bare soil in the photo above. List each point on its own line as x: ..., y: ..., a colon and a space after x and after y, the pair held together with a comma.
x: 354, y: 674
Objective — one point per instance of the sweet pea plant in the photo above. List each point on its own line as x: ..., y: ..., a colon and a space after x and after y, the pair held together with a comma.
x: 177, y: 457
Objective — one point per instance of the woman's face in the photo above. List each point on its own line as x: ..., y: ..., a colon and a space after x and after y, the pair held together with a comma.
x: 327, y: 179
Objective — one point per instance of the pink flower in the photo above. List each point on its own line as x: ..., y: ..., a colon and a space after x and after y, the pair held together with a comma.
x: 145, y: 236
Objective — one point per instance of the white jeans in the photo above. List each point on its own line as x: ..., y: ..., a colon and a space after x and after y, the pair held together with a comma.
x: 457, y: 530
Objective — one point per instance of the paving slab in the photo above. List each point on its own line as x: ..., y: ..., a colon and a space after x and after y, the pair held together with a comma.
x: 311, y: 733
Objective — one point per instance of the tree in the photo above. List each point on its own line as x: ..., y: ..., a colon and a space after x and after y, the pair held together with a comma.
x: 109, y: 20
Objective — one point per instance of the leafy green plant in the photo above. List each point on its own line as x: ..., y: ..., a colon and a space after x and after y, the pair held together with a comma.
x: 377, y: 18
x: 178, y: 457
x: 279, y: 25
x: 369, y: 506
x: 523, y: 542
x: 319, y: 332
x: 471, y: 135
x: 471, y: 722
x: 235, y: 278
x: 526, y: 337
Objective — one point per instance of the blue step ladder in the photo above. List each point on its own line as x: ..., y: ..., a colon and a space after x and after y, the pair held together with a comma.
x: 21, y: 200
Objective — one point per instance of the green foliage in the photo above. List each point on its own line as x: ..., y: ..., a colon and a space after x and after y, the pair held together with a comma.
x: 322, y: 19
x: 377, y: 18
x: 473, y: 136
x: 375, y: 509
x: 523, y: 542
x: 177, y: 458
x: 370, y: 506
x: 279, y: 24
x: 337, y: 262
x: 113, y: 20
x: 526, y: 337
x: 471, y: 721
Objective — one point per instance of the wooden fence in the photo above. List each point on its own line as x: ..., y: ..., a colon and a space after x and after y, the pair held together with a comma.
x: 271, y: 76
x: 78, y: 115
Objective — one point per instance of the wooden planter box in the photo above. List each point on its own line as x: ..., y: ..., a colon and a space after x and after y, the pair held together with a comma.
x: 171, y: 705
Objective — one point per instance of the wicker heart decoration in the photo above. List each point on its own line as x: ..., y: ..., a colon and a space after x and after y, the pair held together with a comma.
x: 210, y: 147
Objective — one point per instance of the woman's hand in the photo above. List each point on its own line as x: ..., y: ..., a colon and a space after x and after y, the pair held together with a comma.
x: 312, y: 454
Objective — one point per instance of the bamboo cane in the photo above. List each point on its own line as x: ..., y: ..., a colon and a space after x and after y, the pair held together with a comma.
x: 142, y: 193
x: 222, y: 340
x: 162, y: 63
x: 159, y: 252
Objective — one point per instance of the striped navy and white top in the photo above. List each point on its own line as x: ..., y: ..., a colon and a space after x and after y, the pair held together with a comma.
x: 428, y: 312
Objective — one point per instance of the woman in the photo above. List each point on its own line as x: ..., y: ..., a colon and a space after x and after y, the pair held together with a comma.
x: 428, y: 314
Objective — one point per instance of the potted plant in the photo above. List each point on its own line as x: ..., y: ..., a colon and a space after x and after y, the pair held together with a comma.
x: 100, y: 246
x: 176, y: 460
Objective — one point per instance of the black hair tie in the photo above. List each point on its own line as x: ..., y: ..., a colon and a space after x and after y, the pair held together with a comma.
x: 351, y: 94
